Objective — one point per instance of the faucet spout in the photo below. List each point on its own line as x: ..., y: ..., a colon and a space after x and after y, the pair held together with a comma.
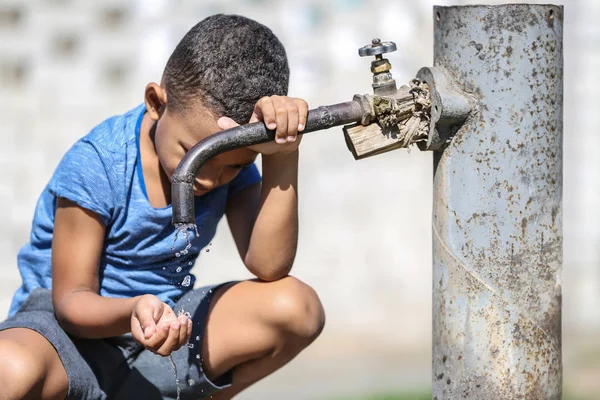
x: 182, y: 181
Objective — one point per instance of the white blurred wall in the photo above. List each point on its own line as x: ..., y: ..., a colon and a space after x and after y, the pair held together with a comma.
x: 365, y: 226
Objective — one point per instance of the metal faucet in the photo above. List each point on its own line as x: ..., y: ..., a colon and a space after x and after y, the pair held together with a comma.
x: 182, y: 181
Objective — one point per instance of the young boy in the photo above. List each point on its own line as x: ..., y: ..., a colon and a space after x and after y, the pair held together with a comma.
x: 99, y: 307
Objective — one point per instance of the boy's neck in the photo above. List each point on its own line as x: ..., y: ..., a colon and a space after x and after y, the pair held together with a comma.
x: 158, y: 186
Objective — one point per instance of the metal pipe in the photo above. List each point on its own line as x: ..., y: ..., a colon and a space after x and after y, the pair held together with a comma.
x: 497, y: 209
x: 182, y: 181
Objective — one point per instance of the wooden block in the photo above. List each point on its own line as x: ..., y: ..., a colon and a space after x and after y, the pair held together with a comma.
x: 370, y: 140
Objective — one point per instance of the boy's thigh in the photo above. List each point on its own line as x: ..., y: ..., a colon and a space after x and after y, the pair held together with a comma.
x: 35, y: 331
x: 254, y: 318
x: 30, y: 364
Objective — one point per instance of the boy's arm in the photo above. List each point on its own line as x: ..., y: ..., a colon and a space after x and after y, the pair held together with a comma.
x: 265, y: 226
x: 264, y: 220
x: 77, y: 246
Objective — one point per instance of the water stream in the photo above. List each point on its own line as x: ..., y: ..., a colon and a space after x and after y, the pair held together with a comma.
x: 185, y: 229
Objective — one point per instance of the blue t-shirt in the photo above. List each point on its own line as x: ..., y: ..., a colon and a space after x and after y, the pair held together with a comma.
x: 102, y: 173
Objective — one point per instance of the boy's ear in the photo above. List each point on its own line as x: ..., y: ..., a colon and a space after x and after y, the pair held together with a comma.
x: 155, y: 98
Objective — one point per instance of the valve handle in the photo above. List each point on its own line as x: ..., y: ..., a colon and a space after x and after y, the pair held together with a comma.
x: 376, y: 48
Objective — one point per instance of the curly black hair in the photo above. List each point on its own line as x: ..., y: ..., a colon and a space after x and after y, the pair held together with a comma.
x: 228, y: 62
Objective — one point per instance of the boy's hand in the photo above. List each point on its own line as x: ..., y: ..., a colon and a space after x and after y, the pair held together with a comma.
x: 157, y: 328
x: 286, y: 115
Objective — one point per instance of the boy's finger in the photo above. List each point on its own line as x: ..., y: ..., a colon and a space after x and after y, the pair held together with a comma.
x: 145, y: 316
x: 226, y: 123
x: 257, y: 115
x: 266, y: 108
x: 302, y: 113
x: 190, y: 327
x: 184, y: 331
x: 292, y: 114
x: 281, y: 116
x: 136, y: 330
x: 156, y: 340
x: 172, y: 339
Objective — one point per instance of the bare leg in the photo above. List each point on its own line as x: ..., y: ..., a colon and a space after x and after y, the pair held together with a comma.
x: 30, y: 367
x: 254, y: 328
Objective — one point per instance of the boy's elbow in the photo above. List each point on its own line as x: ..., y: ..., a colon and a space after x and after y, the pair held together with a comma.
x: 64, y: 313
x: 269, y: 271
x: 66, y: 319
x: 271, y: 276
x: 68, y: 312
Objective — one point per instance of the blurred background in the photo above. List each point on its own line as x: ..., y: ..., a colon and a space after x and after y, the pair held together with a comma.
x: 365, y: 239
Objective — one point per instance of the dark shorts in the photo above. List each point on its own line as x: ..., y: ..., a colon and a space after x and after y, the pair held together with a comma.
x: 120, y: 368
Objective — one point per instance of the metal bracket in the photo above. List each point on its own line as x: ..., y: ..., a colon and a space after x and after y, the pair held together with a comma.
x: 449, y: 110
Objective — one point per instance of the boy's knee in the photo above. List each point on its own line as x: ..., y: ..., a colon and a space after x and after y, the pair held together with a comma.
x: 297, y: 309
x: 21, y: 372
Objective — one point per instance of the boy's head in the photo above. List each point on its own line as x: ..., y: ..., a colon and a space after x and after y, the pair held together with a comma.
x: 221, y: 67
x: 228, y: 62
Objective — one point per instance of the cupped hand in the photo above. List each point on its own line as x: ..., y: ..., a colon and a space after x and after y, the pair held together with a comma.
x: 155, y: 326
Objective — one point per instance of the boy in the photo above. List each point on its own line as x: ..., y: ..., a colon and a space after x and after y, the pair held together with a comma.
x: 99, y: 307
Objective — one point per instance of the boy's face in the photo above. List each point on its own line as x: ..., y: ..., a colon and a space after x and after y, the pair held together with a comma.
x: 175, y: 135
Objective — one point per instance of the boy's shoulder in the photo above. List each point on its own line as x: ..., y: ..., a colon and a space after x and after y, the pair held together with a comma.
x: 115, y: 132
x: 91, y: 172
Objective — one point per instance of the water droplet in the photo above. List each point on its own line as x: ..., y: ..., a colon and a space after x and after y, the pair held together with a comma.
x: 185, y: 229
x: 197, y: 356
x: 186, y: 281
x: 164, y: 268
x: 198, y: 338
x: 172, y: 247
x: 207, y: 250
x: 190, y: 263
x: 190, y: 345
x: 178, y: 269
x: 187, y: 314
x: 191, y: 382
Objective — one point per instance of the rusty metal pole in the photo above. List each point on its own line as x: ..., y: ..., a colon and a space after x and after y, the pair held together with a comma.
x: 497, y: 217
